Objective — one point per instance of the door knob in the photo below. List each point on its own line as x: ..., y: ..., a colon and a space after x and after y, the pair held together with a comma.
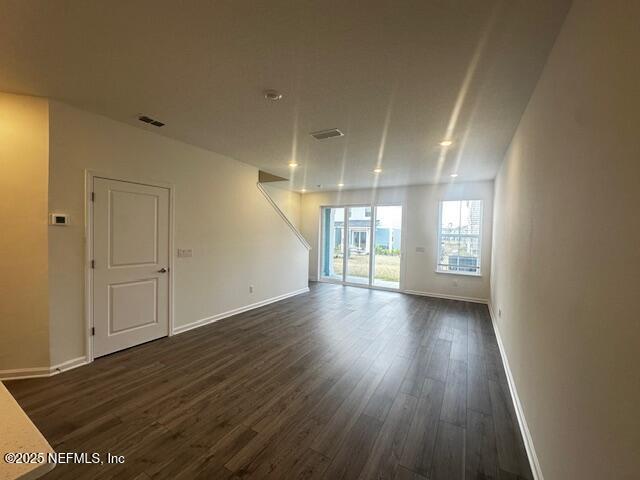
x: 162, y: 270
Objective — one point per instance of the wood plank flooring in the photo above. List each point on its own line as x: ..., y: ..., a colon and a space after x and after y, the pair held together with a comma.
x: 341, y: 382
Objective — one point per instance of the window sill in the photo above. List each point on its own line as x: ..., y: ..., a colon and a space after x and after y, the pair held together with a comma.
x: 464, y: 274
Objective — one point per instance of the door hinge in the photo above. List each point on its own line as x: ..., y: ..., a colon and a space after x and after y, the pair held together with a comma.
x: 93, y: 196
x: 93, y: 331
x: 93, y: 264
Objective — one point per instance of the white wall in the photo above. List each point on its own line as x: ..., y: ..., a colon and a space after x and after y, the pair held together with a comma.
x: 566, y: 256
x: 290, y: 203
x: 420, y: 230
x: 24, y: 133
x: 237, y: 237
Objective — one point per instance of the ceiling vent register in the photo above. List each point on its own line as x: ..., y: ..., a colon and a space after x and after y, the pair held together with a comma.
x: 324, y: 134
x: 150, y: 121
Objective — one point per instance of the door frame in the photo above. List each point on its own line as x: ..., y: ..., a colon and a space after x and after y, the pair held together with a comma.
x: 89, y: 176
x: 370, y: 284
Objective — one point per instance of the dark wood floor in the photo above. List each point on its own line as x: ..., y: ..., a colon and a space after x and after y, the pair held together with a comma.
x: 342, y: 382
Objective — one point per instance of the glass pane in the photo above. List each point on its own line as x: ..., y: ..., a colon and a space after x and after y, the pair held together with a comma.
x: 468, y: 255
x: 470, y: 217
x: 332, y: 243
x: 388, y: 240
x: 450, y: 217
x: 449, y: 246
x: 459, y: 254
x: 359, y: 242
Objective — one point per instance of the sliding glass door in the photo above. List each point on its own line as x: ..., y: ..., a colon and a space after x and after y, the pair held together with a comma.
x: 361, y: 245
x: 388, y: 238
x: 332, y: 254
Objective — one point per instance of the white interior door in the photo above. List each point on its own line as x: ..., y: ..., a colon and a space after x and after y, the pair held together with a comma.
x: 131, y: 263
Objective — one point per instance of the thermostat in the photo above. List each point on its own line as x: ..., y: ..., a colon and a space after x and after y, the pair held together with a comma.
x: 58, y: 219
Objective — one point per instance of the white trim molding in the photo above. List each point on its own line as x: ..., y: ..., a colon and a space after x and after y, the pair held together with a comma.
x: 206, y: 321
x: 448, y: 297
x: 399, y: 290
x: 69, y: 365
x: 19, y: 373
x: 89, y: 176
x: 284, y: 217
x: 38, y: 372
x: 522, y: 422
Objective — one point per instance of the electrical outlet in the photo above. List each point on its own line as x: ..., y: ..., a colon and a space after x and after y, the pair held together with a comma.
x: 455, y: 283
x: 250, y: 288
x: 420, y: 249
x: 499, y: 312
x: 58, y: 219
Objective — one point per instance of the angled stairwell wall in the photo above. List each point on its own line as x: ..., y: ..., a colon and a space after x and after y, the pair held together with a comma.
x: 287, y: 204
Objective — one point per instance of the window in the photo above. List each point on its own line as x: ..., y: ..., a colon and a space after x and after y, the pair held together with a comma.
x: 360, y: 213
x: 459, y: 236
x: 358, y: 240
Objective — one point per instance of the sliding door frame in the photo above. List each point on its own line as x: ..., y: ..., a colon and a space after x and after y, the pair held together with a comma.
x: 345, y: 245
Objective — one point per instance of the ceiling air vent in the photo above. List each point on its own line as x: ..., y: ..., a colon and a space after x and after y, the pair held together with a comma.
x: 324, y: 134
x: 151, y: 121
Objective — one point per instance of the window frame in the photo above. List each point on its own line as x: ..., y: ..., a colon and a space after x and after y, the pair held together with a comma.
x: 478, y: 273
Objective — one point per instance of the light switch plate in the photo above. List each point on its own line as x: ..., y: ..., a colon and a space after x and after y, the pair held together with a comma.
x: 185, y: 252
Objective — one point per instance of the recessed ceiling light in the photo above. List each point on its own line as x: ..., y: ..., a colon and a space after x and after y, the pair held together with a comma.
x: 377, y: 170
x: 303, y: 190
x: 293, y: 164
x: 446, y: 143
x: 341, y: 184
x: 272, y: 95
x: 454, y: 175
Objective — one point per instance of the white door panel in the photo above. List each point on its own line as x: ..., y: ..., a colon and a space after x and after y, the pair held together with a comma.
x: 134, y: 229
x: 131, y: 250
x: 132, y: 305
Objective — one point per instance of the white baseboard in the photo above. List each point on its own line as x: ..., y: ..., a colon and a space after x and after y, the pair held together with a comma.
x: 448, y: 297
x: 524, y: 428
x: 18, y: 373
x: 38, y: 372
x: 235, y: 311
x: 69, y: 365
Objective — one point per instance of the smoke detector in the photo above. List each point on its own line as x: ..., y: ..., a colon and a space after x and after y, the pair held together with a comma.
x: 272, y: 95
x: 324, y: 134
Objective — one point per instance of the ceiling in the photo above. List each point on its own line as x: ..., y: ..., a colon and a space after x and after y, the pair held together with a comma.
x: 396, y: 77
